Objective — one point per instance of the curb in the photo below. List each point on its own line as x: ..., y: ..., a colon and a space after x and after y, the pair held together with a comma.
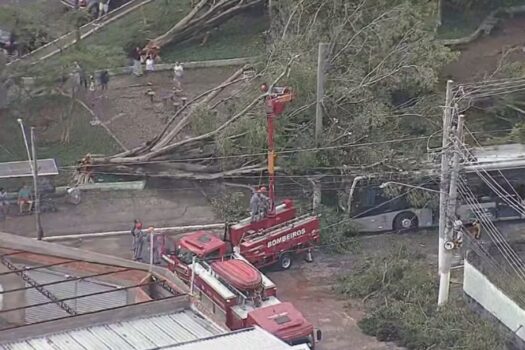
x: 187, y: 65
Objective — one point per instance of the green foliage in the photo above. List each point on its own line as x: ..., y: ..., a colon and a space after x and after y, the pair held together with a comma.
x: 242, y: 36
x: 203, y: 120
x: 44, y: 112
x: 336, y: 231
x: 230, y: 206
x: 384, y: 64
x: 400, y: 292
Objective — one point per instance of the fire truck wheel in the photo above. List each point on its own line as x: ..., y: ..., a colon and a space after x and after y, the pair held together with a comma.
x: 405, y: 221
x: 285, y: 261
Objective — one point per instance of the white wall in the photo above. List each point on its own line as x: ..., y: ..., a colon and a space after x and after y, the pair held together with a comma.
x: 492, y: 299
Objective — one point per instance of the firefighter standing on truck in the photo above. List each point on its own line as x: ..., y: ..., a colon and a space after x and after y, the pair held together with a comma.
x: 259, y: 204
x: 264, y: 203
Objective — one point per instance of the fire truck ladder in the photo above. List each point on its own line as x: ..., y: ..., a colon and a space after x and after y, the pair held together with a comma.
x: 292, y: 223
x: 37, y: 286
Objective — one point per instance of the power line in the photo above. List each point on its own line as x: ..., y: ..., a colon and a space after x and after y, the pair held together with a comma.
x: 505, y: 249
x: 288, y: 152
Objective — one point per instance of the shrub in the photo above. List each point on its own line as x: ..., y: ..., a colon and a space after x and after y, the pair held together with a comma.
x: 400, y: 294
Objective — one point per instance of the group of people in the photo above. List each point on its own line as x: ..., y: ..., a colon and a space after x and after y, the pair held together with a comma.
x: 141, y: 244
x: 82, y: 80
x: 24, y: 201
x: 259, y: 204
x: 149, y: 57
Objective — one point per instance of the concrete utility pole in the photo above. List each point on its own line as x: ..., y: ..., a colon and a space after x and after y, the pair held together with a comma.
x: 443, y: 254
x: 39, y: 230
x: 21, y: 123
x: 321, y: 71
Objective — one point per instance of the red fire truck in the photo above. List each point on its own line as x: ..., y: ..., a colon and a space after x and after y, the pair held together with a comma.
x: 280, y: 234
x: 235, y: 292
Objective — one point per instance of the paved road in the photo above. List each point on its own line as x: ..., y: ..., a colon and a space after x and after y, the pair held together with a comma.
x: 115, y: 211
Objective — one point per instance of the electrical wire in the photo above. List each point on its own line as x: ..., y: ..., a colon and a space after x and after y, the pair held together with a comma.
x: 503, y: 276
x: 505, y: 249
x: 286, y: 152
x: 499, y: 171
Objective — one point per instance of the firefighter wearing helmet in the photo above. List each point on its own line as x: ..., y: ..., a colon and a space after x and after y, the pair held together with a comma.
x: 259, y: 204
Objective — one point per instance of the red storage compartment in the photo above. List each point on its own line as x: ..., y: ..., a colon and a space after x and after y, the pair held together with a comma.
x: 238, y: 273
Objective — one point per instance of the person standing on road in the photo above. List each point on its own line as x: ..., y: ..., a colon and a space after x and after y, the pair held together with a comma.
x: 104, y: 79
x: 178, y: 75
x: 4, y: 204
x: 150, y: 64
x: 83, y: 78
x: 135, y: 55
x: 138, y: 246
x: 137, y: 227
x: 92, y: 83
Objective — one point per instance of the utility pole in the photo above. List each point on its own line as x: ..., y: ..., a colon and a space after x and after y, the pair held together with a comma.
x: 321, y: 71
x: 21, y: 123
x: 443, y: 254
x: 39, y: 231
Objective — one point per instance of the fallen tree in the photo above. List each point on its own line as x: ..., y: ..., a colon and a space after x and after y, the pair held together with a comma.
x: 205, y: 15
x: 173, y: 154
x: 381, y: 73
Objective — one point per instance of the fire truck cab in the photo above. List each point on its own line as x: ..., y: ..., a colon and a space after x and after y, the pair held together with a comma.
x: 199, y: 245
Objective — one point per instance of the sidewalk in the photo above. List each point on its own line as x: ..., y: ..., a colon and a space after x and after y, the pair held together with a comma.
x: 114, y: 211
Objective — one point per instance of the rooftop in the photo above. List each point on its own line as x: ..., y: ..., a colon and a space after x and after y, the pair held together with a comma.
x: 24, y: 169
x: 37, y: 288
x: 138, y: 334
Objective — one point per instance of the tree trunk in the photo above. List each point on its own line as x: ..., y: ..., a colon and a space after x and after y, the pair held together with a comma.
x: 199, y: 21
x: 351, y: 194
x: 185, y: 120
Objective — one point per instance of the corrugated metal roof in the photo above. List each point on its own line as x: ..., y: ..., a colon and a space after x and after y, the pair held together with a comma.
x: 23, y: 169
x: 253, y: 339
x: 69, y: 289
x: 139, y: 334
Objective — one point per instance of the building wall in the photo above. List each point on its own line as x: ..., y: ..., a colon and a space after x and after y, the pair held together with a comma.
x: 477, y: 286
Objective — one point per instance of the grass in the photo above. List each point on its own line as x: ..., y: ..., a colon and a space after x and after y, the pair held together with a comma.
x: 109, y: 47
x: 84, y: 137
x: 45, y: 16
x: 457, y: 24
x: 242, y: 36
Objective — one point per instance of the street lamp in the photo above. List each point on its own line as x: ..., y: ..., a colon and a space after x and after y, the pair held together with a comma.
x: 34, y: 169
x: 29, y: 158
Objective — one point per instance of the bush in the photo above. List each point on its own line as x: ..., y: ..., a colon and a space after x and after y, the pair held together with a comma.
x: 230, y: 207
x: 336, y: 231
x: 400, y: 294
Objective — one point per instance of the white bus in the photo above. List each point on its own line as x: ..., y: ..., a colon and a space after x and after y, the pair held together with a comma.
x: 374, y: 211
